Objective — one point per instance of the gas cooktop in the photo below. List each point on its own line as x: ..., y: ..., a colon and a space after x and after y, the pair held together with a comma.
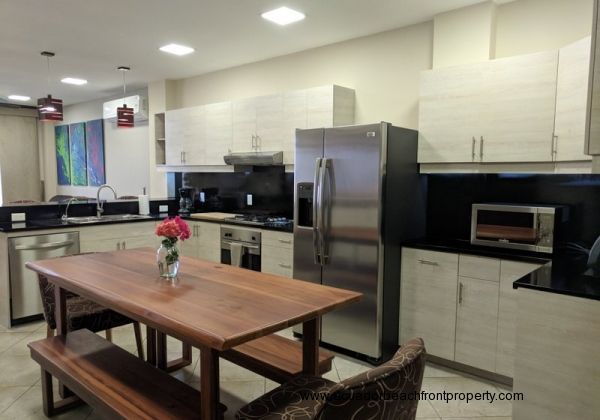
x: 261, y: 220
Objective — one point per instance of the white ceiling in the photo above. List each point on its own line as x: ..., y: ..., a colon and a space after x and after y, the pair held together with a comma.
x: 92, y: 38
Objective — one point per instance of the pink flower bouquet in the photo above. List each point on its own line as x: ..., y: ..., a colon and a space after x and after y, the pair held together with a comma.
x: 167, y: 256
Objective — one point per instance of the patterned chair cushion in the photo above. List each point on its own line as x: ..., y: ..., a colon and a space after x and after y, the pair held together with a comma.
x: 289, y: 401
x: 81, y: 313
x: 381, y: 393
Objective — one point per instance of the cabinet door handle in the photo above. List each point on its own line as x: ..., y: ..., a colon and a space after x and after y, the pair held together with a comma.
x: 554, y: 146
x: 118, y: 246
x: 285, y: 266
x: 425, y: 262
x: 184, y: 157
x: 285, y: 241
x: 473, y: 149
x: 124, y: 246
x: 460, y: 293
x: 481, y: 149
x: 253, y: 141
x: 257, y: 142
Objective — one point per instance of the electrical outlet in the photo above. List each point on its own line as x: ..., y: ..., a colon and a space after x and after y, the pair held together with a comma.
x: 202, y: 197
x: 17, y: 217
x: 163, y: 209
x: 249, y: 199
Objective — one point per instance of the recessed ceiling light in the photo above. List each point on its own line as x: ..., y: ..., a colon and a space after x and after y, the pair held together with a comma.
x: 18, y: 98
x: 283, y: 16
x: 176, y: 49
x: 74, y: 81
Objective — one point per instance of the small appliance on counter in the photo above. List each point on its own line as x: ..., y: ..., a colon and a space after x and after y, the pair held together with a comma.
x: 525, y: 227
x: 186, y: 201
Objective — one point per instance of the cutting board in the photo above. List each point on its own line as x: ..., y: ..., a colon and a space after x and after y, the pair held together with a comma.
x: 212, y: 216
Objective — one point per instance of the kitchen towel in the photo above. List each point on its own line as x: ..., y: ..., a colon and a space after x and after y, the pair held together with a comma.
x: 144, y: 205
x: 236, y: 254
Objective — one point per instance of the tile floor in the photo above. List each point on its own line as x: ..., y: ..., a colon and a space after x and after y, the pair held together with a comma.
x: 20, y: 390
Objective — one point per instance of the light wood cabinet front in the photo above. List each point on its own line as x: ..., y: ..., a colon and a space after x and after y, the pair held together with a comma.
x: 477, y: 323
x: 277, y: 254
x: 428, y: 299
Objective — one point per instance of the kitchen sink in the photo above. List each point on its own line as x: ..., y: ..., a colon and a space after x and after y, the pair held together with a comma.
x: 82, y: 220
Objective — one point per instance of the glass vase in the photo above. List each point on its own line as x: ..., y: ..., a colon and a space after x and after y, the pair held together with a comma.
x: 167, y: 258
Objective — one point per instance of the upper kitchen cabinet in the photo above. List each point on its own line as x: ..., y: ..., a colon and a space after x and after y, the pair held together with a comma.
x: 203, y: 135
x: 571, y: 101
x: 450, y: 102
x: 519, y: 112
x: 504, y: 111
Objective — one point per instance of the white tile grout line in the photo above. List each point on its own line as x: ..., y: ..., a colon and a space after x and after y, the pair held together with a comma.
x: 18, y: 398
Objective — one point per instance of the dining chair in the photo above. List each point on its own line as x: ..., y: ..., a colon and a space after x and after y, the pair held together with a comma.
x: 84, y: 313
x: 314, y: 398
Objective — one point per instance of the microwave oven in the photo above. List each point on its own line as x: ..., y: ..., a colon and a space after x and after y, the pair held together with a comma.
x: 524, y: 227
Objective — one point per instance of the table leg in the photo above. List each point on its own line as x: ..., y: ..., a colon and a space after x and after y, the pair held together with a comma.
x: 151, y: 345
x: 209, y: 383
x: 60, y: 300
x: 310, y: 346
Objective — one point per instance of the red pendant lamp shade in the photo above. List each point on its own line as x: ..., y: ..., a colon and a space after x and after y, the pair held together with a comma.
x: 49, y: 108
x: 124, y: 113
x: 124, y: 116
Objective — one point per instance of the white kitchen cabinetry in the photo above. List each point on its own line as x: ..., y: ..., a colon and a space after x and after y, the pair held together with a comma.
x: 558, y: 362
x: 510, y: 271
x: 428, y: 299
x: 496, y: 111
x: 203, y: 135
x: 277, y: 254
x: 205, y: 242
x: 571, y: 101
x: 462, y: 305
x: 118, y: 236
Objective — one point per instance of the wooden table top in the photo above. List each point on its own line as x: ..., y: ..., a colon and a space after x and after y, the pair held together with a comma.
x: 209, y: 305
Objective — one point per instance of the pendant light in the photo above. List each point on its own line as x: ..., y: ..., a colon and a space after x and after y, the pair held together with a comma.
x: 124, y: 113
x: 49, y: 108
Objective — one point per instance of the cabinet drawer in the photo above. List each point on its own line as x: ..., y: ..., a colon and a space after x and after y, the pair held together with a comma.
x: 479, y: 268
x: 277, y: 239
x: 277, y: 260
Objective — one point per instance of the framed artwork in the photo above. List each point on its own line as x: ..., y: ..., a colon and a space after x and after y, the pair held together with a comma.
x: 94, y: 142
x: 78, y: 156
x: 63, y: 161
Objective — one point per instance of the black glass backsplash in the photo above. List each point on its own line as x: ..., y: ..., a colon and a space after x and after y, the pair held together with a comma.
x: 271, y: 187
x: 450, y: 197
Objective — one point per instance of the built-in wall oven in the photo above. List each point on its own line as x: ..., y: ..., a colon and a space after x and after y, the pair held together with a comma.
x: 240, y: 247
x: 523, y: 227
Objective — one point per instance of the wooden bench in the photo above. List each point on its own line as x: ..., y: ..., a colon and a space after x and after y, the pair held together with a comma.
x: 274, y: 357
x: 112, y: 381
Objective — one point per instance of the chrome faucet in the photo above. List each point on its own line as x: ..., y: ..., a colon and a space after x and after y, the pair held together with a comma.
x: 100, y: 204
x: 66, y: 215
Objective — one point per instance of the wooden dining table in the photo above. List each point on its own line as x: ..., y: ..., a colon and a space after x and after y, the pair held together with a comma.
x: 211, y: 306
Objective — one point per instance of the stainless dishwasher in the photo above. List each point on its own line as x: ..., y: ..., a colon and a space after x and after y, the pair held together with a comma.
x: 25, y: 300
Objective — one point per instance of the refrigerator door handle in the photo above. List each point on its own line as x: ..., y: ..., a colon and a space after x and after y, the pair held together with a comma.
x: 325, y: 182
x: 316, y: 211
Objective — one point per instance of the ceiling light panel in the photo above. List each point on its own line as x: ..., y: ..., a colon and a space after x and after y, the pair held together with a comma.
x: 283, y: 16
x: 21, y: 98
x: 74, y: 81
x: 177, y: 49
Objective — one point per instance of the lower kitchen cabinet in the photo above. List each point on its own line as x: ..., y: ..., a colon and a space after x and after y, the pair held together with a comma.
x: 117, y: 236
x: 205, y: 242
x: 428, y: 299
x: 477, y: 323
x: 463, y: 306
x: 510, y: 271
x: 277, y: 253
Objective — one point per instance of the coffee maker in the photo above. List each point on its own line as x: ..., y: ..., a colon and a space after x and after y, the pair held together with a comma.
x: 186, y: 201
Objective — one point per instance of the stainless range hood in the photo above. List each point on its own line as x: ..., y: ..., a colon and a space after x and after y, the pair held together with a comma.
x: 254, y: 158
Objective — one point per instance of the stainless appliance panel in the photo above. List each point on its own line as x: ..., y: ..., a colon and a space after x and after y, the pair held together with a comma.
x: 354, y: 160
x: 309, y: 151
x: 241, y: 248
x: 24, y: 289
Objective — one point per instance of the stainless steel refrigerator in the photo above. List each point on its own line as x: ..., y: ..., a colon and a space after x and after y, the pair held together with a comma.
x: 357, y: 196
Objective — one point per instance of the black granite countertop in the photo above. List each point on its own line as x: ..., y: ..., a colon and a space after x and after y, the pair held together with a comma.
x: 563, y: 272
x: 43, y: 224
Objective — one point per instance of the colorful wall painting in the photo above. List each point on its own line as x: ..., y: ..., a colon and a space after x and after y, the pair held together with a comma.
x: 78, y: 157
x: 63, y: 161
x: 94, y: 140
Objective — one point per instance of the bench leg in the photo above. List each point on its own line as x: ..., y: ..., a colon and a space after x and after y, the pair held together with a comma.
x: 50, y: 407
x: 60, y: 299
x: 161, y: 355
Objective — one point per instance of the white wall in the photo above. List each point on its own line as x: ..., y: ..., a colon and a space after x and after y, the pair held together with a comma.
x: 125, y: 154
